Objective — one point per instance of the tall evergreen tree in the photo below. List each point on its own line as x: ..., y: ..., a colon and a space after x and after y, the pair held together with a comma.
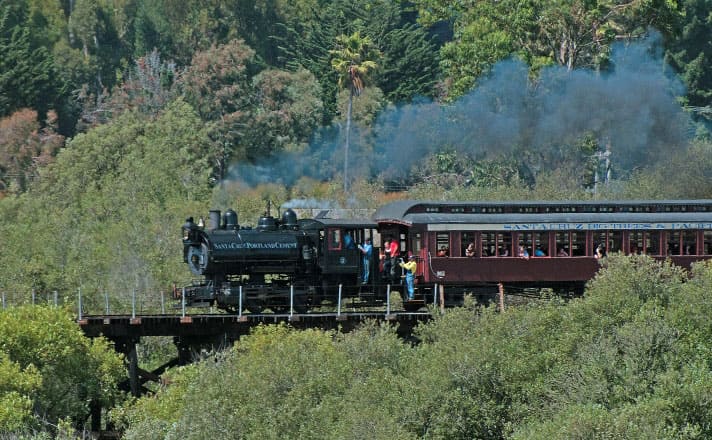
x: 691, y: 54
x: 28, y: 75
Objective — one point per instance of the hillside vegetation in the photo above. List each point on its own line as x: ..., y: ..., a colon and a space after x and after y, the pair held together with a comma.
x: 119, y: 120
x: 630, y: 360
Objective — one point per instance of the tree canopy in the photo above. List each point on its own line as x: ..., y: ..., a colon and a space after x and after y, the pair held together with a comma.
x: 49, y: 371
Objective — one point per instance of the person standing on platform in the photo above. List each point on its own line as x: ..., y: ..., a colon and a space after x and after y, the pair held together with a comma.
x: 367, y: 251
x: 387, y: 259
x: 395, y: 251
x: 409, y: 269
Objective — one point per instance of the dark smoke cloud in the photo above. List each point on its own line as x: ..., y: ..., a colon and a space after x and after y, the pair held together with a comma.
x: 632, y: 106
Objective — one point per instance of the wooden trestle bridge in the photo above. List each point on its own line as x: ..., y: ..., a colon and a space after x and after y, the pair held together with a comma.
x: 197, y: 333
x: 193, y: 334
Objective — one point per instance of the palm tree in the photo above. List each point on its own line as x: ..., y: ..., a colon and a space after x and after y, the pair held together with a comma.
x: 353, y: 60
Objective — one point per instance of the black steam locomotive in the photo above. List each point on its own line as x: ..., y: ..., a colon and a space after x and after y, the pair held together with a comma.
x: 282, y: 264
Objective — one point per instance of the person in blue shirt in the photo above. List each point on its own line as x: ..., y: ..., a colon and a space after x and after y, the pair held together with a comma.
x: 349, y: 242
x: 523, y: 253
x: 539, y: 252
x: 367, y: 250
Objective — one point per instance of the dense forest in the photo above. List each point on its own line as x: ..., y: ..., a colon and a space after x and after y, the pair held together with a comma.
x: 120, y: 118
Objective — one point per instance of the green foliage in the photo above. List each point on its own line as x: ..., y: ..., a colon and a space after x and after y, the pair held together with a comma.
x: 284, y: 116
x: 86, y: 222
x: 83, y: 23
x: 49, y: 367
x: 630, y: 360
x: 690, y: 55
x: 276, y: 379
x: 408, y: 66
x: 154, y: 416
x: 354, y: 59
x: 252, y: 114
x: 571, y: 34
x: 480, y: 45
x: 28, y: 76
x: 685, y: 175
x: 217, y: 82
x: 17, y: 386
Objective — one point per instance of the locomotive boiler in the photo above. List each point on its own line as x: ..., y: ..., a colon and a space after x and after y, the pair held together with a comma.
x: 231, y: 250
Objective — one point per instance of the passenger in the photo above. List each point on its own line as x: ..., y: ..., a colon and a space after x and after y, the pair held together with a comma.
x: 442, y: 252
x: 600, y: 252
x: 539, y: 252
x: 349, y: 242
x: 562, y: 253
x: 523, y: 253
x: 366, y: 250
x: 381, y: 259
x: 387, y: 259
x: 409, y: 268
x: 470, y: 249
x: 504, y: 252
x: 395, y: 250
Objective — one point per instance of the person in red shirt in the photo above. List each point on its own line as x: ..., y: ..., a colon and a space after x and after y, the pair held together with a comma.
x: 395, y: 251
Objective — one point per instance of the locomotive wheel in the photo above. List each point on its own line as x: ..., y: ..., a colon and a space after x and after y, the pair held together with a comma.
x: 280, y: 309
x: 412, y: 306
x: 300, y: 304
x: 255, y: 306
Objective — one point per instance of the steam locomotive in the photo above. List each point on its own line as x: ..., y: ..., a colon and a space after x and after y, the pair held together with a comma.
x: 282, y: 264
x: 460, y: 248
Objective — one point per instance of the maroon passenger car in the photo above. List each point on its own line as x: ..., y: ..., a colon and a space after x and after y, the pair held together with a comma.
x: 540, y: 244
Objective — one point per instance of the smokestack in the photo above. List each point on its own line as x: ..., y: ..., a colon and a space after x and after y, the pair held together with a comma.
x: 214, y: 219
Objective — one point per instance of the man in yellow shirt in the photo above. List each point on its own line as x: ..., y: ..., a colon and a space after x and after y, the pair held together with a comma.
x: 409, y: 269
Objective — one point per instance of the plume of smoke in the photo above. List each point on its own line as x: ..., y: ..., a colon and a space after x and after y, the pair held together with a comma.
x: 310, y: 203
x: 631, y: 106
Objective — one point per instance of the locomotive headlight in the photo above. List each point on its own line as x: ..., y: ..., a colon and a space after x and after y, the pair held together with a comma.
x: 187, y: 228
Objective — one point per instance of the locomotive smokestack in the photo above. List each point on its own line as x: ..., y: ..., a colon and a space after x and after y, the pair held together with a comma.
x: 214, y: 219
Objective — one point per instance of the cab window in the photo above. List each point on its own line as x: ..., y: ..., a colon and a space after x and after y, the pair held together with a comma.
x: 335, y: 239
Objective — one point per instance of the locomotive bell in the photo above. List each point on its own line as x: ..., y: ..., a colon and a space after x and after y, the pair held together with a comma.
x: 266, y: 223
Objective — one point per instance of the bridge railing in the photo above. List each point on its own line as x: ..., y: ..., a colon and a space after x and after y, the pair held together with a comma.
x: 95, y: 302
x: 143, y: 302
